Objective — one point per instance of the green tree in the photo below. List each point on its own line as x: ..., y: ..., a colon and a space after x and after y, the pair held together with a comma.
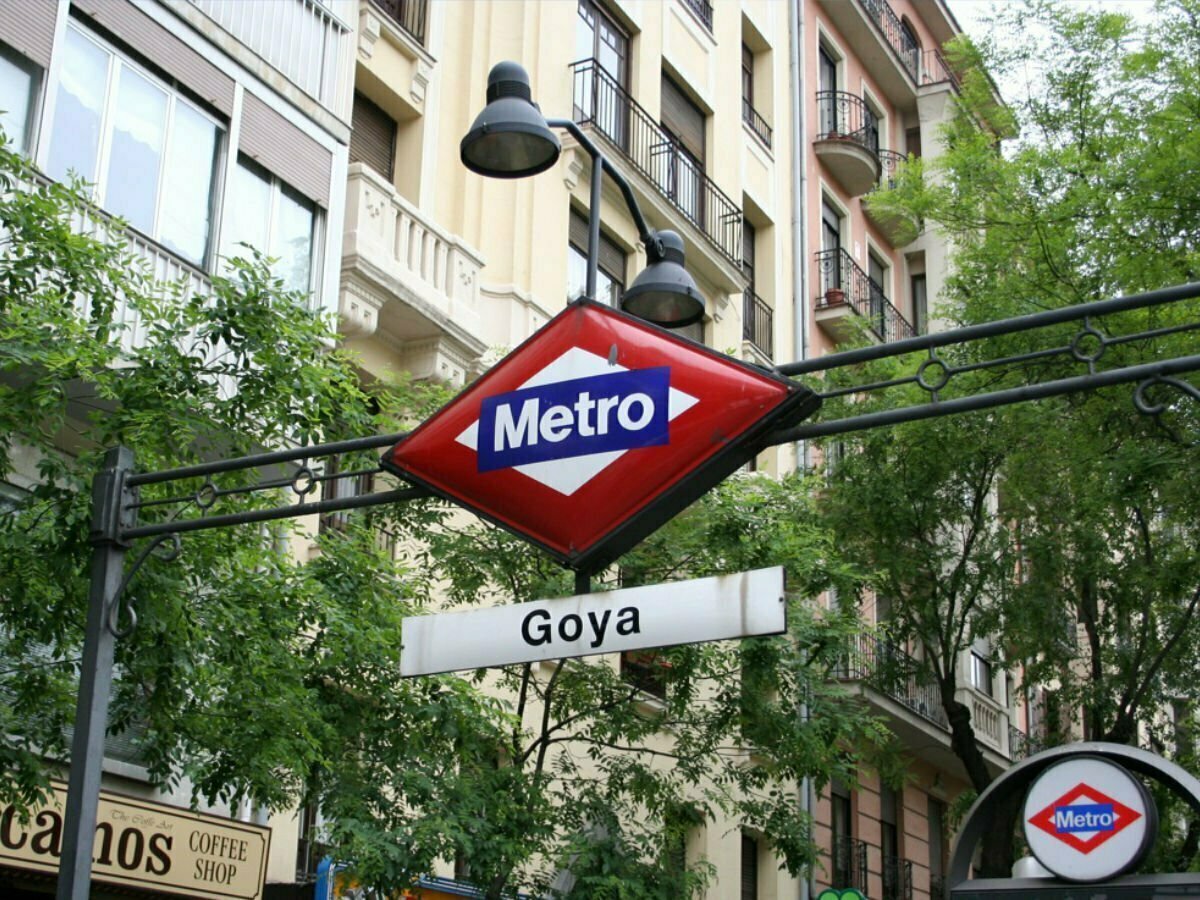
x: 597, y: 782
x: 249, y: 672
x: 1094, y: 198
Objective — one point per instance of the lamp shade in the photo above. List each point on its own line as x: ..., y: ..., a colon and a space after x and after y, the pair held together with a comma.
x: 664, y: 293
x: 510, y: 138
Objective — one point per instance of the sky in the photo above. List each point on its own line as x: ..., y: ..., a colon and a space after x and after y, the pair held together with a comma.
x: 971, y: 13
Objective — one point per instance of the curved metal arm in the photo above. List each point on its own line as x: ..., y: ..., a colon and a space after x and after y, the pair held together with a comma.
x: 646, y: 234
x: 118, y: 601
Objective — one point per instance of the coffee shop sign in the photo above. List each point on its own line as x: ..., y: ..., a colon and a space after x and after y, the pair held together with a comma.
x: 145, y: 845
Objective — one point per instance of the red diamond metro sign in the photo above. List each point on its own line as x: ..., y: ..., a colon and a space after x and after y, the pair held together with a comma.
x: 595, y: 431
x: 1084, y: 818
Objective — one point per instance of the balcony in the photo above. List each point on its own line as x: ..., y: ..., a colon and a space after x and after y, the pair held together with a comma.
x: 898, y: 229
x: 897, y: 878
x: 847, y: 291
x: 1022, y: 745
x: 302, y: 39
x: 848, y: 864
x: 887, y: 50
x: 409, y: 15
x: 756, y: 123
x: 601, y: 102
x: 410, y: 281
x: 758, y: 324
x: 847, y: 140
x: 895, y: 673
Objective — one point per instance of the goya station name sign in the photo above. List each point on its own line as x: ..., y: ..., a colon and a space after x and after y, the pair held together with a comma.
x: 145, y: 845
x: 680, y: 612
x: 597, y: 430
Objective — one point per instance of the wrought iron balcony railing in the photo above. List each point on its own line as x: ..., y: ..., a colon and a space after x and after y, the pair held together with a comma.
x: 849, y: 863
x: 845, y: 116
x: 601, y: 102
x: 897, y: 878
x: 842, y: 281
x: 923, y: 67
x: 757, y: 123
x: 703, y: 11
x: 892, y: 671
x: 888, y: 161
x: 758, y: 323
x: 410, y: 15
x: 1021, y: 745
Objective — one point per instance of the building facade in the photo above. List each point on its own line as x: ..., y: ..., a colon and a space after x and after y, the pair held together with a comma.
x: 326, y: 132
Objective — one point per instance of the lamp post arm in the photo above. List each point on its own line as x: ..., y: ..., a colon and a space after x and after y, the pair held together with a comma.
x: 647, y: 235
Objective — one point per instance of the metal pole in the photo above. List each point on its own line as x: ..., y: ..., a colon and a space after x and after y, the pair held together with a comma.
x: 95, y: 678
x: 593, y: 258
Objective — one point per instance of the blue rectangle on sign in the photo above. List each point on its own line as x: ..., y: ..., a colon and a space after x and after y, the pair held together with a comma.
x: 579, y: 417
x: 1084, y: 817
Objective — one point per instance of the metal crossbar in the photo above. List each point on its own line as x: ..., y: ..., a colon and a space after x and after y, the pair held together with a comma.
x: 935, y: 361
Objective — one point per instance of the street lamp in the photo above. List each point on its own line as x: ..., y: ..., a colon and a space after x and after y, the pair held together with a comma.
x: 511, y: 139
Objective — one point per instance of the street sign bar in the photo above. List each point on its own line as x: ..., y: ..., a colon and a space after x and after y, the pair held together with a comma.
x: 681, y: 612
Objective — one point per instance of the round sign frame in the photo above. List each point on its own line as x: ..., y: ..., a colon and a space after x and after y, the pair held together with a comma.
x: 1099, y: 789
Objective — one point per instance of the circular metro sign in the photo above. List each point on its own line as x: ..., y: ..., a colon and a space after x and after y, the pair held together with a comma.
x: 1087, y: 819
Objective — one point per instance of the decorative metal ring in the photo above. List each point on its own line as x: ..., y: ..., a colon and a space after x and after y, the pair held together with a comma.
x: 304, y: 482
x: 1084, y: 334
x: 941, y: 383
x: 207, y: 495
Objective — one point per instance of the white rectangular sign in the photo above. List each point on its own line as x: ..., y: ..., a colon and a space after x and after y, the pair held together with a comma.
x: 661, y: 615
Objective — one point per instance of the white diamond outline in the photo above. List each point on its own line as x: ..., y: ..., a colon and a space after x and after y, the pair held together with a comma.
x: 566, y: 476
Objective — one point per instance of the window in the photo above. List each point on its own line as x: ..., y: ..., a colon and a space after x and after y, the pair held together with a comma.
x: 747, y: 80
x: 599, y: 90
x: 646, y: 671
x: 372, y: 136
x: 266, y: 214
x: 843, y: 835
x: 150, y: 154
x: 889, y: 842
x: 937, y: 844
x: 610, y: 277
x: 310, y: 849
x: 877, y: 279
x: 910, y: 47
x: 826, y: 87
x: 680, y: 163
x: 831, y: 253
x: 18, y: 81
x: 920, y: 303
x: 981, y: 674
x: 749, y: 867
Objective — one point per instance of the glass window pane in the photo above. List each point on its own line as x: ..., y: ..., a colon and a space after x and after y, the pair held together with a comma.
x: 135, y: 159
x: 576, y: 273
x: 247, y: 212
x: 16, y: 95
x: 186, y: 210
x: 75, y: 136
x: 291, y: 242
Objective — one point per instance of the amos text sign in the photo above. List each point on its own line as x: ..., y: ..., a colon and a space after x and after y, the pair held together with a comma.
x: 146, y: 845
x: 595, y: 431
x: 681, y: 612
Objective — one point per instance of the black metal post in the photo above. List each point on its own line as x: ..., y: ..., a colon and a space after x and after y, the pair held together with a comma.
x: 95, y: 678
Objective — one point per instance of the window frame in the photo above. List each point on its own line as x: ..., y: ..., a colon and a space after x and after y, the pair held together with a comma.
x: 118, y: 61
x: 278, y: 189
x: 982, y: 671
x: 616, y: 281
x: 37, y: 76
